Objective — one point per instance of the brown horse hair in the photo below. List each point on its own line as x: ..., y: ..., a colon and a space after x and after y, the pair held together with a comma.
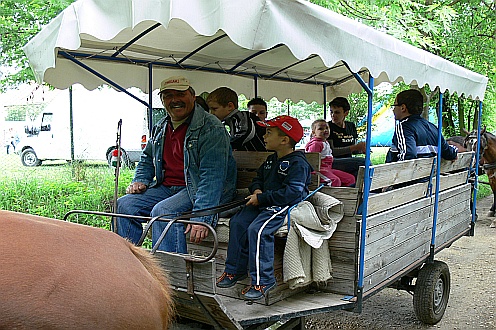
x: 152, y: 265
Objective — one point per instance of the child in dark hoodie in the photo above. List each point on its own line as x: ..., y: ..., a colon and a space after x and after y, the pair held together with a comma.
x: 281, y: 181
x: 318, y: 143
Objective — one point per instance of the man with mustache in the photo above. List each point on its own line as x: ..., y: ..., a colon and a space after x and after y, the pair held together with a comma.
x: 186, y: 165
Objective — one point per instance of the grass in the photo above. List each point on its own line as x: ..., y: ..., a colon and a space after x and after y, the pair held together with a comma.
x: 53, y: 189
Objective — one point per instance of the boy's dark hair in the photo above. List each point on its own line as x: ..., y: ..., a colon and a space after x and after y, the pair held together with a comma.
x: 340, y: 102
x: 224, y: 95
x: 257, y: 101
x: 201, y: 102
x: 412, y: 99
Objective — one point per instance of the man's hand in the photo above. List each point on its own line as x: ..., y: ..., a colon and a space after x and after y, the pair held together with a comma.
x: 358, y: 148
x: 253, y: 199
x: 198, y: 233
x: 136, y: 188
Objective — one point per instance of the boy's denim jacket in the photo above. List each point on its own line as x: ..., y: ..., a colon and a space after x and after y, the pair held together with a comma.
x: 209, y: 167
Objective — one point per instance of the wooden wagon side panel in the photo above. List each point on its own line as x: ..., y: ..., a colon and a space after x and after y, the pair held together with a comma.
x: 203, y: 273
x: 403, y: 234
x: 343, y: 244
x: 455, y: 224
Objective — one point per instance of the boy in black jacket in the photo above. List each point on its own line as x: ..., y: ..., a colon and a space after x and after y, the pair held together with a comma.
x: 223, y: 103
x: 281, y: 181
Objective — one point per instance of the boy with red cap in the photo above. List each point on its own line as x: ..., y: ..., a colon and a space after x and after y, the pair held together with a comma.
x: 281, y: 181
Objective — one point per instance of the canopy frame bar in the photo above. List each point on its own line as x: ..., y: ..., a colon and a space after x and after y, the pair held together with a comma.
x: 132, y: 41
x: 201, y: 47
x: 73, y: 56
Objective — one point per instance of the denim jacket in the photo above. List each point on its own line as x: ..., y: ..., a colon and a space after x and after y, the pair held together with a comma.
x: 209, y: 167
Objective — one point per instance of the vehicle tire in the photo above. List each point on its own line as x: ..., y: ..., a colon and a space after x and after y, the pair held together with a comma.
x: 125, y: 159
x: 29, y: 158
x: 431, y: 292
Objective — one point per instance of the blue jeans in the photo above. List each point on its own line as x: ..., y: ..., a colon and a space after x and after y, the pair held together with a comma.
x: 153, y: 202
x: 251, y: 242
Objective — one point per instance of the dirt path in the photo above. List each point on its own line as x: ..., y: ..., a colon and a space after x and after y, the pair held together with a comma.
x: 472, y: 302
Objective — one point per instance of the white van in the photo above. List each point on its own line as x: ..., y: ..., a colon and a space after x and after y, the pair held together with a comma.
x: 95, y: 118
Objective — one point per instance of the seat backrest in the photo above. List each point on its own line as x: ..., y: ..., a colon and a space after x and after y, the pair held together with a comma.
x: 248, y: 162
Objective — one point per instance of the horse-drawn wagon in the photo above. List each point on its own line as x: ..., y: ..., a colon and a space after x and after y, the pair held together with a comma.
x: 290, y: 50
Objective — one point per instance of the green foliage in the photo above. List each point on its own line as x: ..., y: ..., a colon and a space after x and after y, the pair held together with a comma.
x: 20, y: 20
x: 24, y: 112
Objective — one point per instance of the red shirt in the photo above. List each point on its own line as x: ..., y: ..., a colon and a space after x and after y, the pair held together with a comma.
x: 174, y: 155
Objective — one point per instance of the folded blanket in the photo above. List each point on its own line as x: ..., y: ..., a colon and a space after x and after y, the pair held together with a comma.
x: 306, y: 255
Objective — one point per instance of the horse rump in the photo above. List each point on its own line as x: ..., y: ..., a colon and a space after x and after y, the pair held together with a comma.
x: 57, y: 274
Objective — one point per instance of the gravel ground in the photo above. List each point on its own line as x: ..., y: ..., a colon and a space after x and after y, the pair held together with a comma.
x: 472, y: 302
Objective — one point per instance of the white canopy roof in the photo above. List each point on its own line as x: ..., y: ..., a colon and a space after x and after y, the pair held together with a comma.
x: 291, y: 47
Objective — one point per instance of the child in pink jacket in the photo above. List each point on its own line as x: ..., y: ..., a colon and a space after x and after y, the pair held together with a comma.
x: 318, y: 143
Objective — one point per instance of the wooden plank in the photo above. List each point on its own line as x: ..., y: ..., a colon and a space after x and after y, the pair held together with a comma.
x: 348, y: 224
x: 204, y: 308
x: 314, y: 159
x: 396, y: 197
x: 463, y: 217
x: 463, y: 161
x: 456, y: 208
x: 301, y: 304
x: 250, y: 159
x: 399, y: 172
x: 341, y: 193
x: 444, y: 236
x: 451, y: 180
x: 393, y: 268
x: 344, y: 270
x: 407, y: 229
x: 391, y: 227
x: 340, y: 286
x: 203, y: 273
x: 343, y: 256
x: 453, y: 196
x: 343, y: 240
x: 379, y: 218
x: 382, y: 260
x: 392, y: 241
x: 348, y: 196
x: 385, y: 201
x: 394, y: 226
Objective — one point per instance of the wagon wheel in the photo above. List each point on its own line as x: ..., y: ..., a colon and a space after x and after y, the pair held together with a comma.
x: 431, y: 292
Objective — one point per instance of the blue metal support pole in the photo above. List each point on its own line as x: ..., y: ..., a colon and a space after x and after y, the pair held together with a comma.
x: 438, y: 176
x: 476, y: 172
x: 366, y: 190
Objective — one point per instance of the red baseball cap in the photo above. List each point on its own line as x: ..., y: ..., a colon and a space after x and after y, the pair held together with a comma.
x: 289, y: 125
